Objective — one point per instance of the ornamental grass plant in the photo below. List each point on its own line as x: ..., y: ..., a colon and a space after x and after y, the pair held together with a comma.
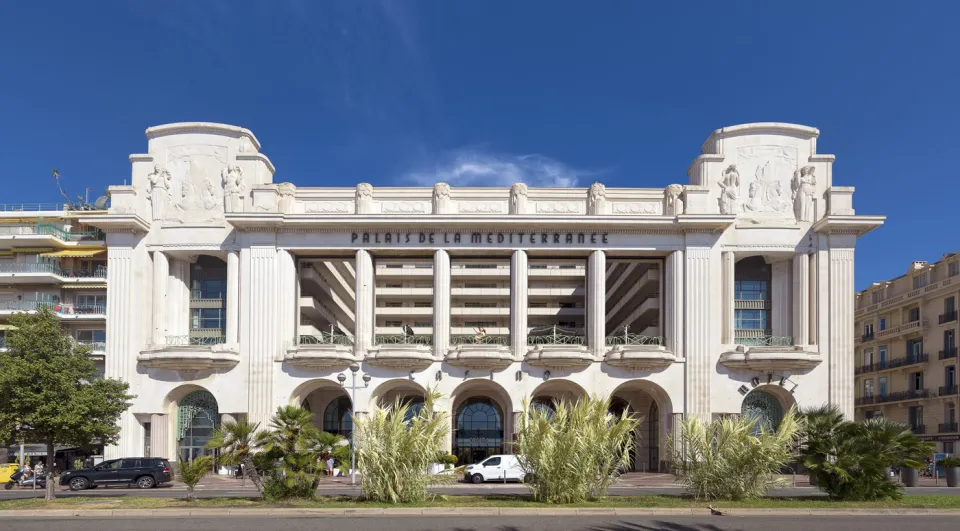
x: 728, y: 459
x: 575, y: 452
x: 394, y: 450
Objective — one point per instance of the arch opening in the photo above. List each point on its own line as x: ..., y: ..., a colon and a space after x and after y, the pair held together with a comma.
x: 198, y: 415
x: 649, y: 402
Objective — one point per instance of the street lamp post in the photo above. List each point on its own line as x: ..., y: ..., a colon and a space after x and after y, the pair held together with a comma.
x: 354, y: 368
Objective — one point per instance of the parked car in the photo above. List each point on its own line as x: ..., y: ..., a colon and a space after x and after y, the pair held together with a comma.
x: 6, y: 470
x: 144, y: 472
x: 495, y: 468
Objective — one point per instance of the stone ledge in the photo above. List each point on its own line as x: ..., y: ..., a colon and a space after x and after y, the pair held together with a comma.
x: 401, y: 356
x: 639, y: 357
x: 770, y: 358
x: 559, y: 356
x: 480, y: 356
x: 319, y: 356
x: 190, y: 358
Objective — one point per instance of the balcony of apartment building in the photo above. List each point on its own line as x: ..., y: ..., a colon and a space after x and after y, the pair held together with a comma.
x: 947, y: 390
x: 918, y: 429
x: 20, y: 232
x: 904, y: 396
x: 865, y: 400
x: 556, y: 314
x: 52, y: 268
x: 403, y: 314
x: 947, y: 317
x: 908, y: 360
x: 948, y: 427
x: 480, y: 313
x: 947, y: 353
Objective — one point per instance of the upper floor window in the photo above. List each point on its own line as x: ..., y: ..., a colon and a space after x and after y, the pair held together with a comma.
x: 877, y: 296
x: 920, y: 281
x: 913, y: 315
x: 752, y: 278
x: 954, y: 269
x: 949, y: 304
x: 883, y: 323
x: 868, y: 329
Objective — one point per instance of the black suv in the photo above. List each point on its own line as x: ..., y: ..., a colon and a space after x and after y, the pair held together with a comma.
x: 144, y: 472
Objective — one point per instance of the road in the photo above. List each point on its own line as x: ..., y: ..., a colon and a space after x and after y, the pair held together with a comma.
x: 485, y: 523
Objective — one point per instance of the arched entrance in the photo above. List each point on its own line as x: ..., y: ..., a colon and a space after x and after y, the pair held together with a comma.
x: 330, y: 404
x: 197, y: 417
x: 482, y: 421
x: 406, y: 392
x: 766, y: 405
x: 548, y: 394
x: 647, y: 400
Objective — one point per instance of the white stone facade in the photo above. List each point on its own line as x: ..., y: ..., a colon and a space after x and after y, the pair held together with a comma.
x: 400, y: 279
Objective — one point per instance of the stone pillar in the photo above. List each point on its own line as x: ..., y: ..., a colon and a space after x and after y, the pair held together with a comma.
x: 781, y: 314
x: 178, y: 298
x: 159, y: 435
x: 288, y: 297
x: 363, y: 335
x: 441, y: 303
x: 518, y: 303
x: 728, y: 269
x: 161, y: 270
x: 801, y: 299
x: 673, y: 303
x: 514, y: 431
x: 233, y: 298
x: 697, y: 342
x: 841, y: 381
x: 260, y: 326
x: 597, y: 303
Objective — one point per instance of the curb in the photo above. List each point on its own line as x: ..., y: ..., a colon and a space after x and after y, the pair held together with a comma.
x: 461, y: 511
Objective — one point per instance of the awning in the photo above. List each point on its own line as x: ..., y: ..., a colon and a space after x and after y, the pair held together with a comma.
x: 6, y: 253
x: 83, y: 286
x: 33, y: 249
x: 74, y: 253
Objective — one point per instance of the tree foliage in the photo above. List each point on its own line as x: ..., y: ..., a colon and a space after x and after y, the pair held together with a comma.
x: 575, y: 452
x: 728, y: 459
x: 236, y: 440
x: 394, y: 450
x: 49, y: 391
x: 850, y: 460
x: 192, y: 472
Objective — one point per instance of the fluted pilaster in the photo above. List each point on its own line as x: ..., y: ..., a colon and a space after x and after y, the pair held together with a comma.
x: 161, y: 270
x: 518, y: 303
x: 233, y: 297
x: 801, y: 299
x: 363, y: 336
x: 261, y: 327
x: 841, y: 328
x: 728, y: 270
x: 160, y: 436
x: 288, y: 296
x: 441, y: 302
x: 697, y: 329
x: 597, y: 302
x: 781, y: 315
x: 673, y: 303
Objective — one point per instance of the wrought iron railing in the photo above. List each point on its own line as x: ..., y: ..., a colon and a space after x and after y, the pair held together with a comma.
x: 910, y: 359
x: 478, y: 339
x: 555, y: 335
x: 757, y: 338
x: 26, y: 306
x: 325, y: 338
x: 947, y: 390
x: 870, y: 367
x: 402, y: 339
x: 948, y: 427
x: 32, y: 207
x: 948, y: 317
x: 918, y: 428
x: 84, y: 309
x: 948, y: 353
x: 47, y: 229
x: 625, y: 337
x: 905, y: 395
x: 195, y: 340
x: 54, y: 269
x: 96, y: 346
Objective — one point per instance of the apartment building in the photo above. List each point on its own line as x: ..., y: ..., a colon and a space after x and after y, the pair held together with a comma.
x: 906, y: 350
x: 48, y: 258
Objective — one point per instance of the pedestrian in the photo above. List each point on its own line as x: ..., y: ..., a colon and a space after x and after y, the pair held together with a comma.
x: 330, y: 466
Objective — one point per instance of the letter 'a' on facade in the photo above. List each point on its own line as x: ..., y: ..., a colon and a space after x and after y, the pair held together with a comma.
x: 231, y: 294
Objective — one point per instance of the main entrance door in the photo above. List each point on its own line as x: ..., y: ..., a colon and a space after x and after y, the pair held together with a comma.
x: 479, y: 431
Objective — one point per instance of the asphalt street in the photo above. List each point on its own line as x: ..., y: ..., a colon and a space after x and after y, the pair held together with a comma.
x: 486, y: 523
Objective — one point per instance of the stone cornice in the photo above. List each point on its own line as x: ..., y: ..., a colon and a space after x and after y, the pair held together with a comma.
x: 116, y: 222
x: 857, y: 225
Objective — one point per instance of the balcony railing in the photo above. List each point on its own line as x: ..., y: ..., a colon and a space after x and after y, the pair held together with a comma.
x: 95, y: 346
x: 866, y: 400
x: 918, y: 428
x: 905, y: 395
x: 948, y: 317
x: 948, y: 353
x: 948, y: 427
x: 46, y: 229
x: 870, y: 367
x: 189, y: 340
x: 477, y: 339
x: 325, y: 338
x: 946, y: 390
x: 555, y: 335
x: 54, y: 269
x: 912, y: 359
x: 402, y: 339
x: 624, y: 337
x: 32, y: 207
x: 26, y: 306
x: 758, y: 338
x: 870, y: 336
x: 83, y: 309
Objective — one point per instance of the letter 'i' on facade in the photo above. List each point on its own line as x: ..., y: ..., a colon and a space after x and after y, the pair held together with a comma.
x: 259, y: 294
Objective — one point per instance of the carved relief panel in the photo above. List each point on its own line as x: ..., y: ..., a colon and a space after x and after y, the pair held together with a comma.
x: 760, y: 185
x: 196, y: 184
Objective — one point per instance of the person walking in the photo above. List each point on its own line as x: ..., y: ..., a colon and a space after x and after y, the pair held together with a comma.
x: 330, y: 466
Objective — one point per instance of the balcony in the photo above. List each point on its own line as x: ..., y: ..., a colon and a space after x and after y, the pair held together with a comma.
x: 948, y: 427
x: 636, y: 351
x: 51, y: 273
x: 870, y: 367
x: 947, y: 390
x: 41, y: 230
x: 948, y: 317
x: 913, y: 359
x: 755, y: 350
x: 401, y: 351
x: 865, y: 400
x: 901, y: 396
x: 554, y: 346
x: 919, y: 429
x: 322, y: 351
x: 948, y: 353
x: 907, y: 328
x: 868, y: 337
x: 480, y: 351
x: 191, y: 353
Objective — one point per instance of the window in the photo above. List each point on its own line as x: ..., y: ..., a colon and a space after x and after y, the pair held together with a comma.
x: 883, y: 323
x: 752, y: 319
x: 394, y: 285
x: 914, y: 347
x: 868, y: 388
x: 538, y: 305
x: 915, y: 416
x: 949, y: 339
x: 874, y: 414
x: 882, y: 356
x: 421, y: 304
x: 110, y: 465
x: 882, y: 386
x: 130, y: 463
x: 91, y: 336
x: 480, y: 285
x: 868, y: 356
x: 950, y: 413
x: 950, y: 376
x: 493, y: 461
x: 876, y: 297
x: 916, y: 381
x: 913, y: 315
x: 954, y: 269
x: 470, y: 304
x: 868, y: 329
x: 393, y: 323
x: 393, y: 304
x: 751, y: 290
x: 949, y: 304
x: 948, y: 447
x: 208, y: 318
x: 91, y: 300
x: 146, y: 438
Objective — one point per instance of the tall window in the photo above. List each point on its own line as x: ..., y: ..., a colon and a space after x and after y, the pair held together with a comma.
x: 915, y: 416
x: 916, y: 381
x: 208, y: 295
x: 338, y: 417
x: 913, y: 315
x: 950, y: 376
x: 914, y: 347
x: 882, y: 356
x: 91, y: 300
x: 954, y: 269
x: 92, y: 337
x: 949, y: 339
x: 868, y: 356
x: 868, y: 388
x: 752, y: 278
x: 949, y: 304
x: 882, y: 386
x: 197, y: 417
x: 883, y: 323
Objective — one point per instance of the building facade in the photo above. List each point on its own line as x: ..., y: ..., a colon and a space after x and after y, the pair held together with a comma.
x: 231, y: 295
x: 906, y: 341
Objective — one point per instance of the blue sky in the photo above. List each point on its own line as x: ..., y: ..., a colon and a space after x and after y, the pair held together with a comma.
x: 488, y: 92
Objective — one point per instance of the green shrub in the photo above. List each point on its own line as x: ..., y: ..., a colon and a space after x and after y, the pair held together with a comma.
x: 725, y: 459
x: 575, y: 452
x: 192, y: 472
x: 394, y: 452
x: 948, y: 462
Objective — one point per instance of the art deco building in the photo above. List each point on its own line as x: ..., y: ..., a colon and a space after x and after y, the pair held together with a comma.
x: 231, y: 295
x: 906, y: 340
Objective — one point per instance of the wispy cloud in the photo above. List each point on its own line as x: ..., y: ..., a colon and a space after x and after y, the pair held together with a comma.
x: 471, y: 167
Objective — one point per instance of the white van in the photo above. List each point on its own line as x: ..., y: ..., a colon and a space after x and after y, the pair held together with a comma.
x: 495, y: 468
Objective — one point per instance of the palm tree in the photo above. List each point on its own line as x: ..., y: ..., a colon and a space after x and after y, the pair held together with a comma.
x: 287, y: 426
x: 819, y: 428
x: 237, y: 441
x: 191, y: 472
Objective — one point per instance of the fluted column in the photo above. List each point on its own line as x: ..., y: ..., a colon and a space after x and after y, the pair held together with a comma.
x: 673, y: 303
x: 441, y: 303
x: 159, y: 435
x: 597, y: 302
x: 261, y: 327
x: 233, y: 297
x: 363, y: 336
x: 288, y: 296
x: 781, y: 297
x: 518, y: 303
x: 841, y: 384
x: 178, y: 298
x: 801, y: 299
x: 161, y: 270
x: 728, y: 269
x: 697, y: 332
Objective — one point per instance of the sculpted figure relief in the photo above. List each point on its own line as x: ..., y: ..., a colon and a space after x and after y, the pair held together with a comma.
x: 160, y: 183
x: 364, y: 191
x: 596, y: 198
x: 441, y: 195
x: 674, y: 203
x: 518, y: 194
x: 232, y: 177
x: 730, y: 191
x: 804, y: 186
x: 287, y: 193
